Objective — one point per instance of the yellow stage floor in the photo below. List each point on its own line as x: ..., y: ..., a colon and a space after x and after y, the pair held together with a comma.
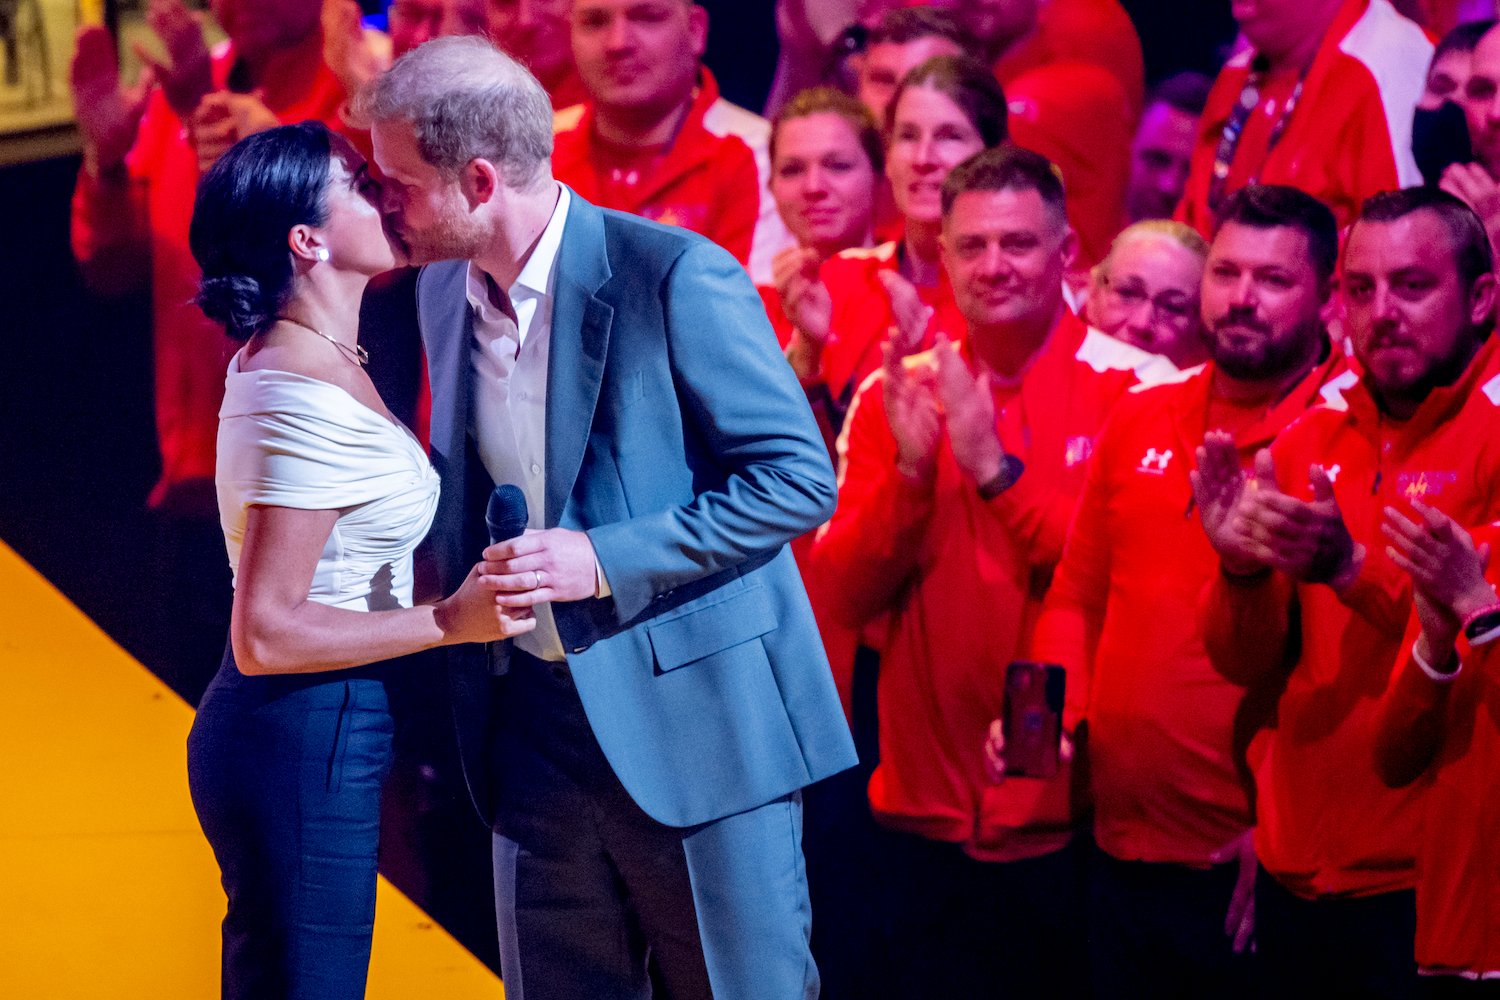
x: 107, y: 887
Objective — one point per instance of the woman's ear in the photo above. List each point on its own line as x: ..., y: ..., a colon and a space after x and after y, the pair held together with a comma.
x: 306, y: 243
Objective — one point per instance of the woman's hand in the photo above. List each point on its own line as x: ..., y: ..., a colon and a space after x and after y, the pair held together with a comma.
x: 473, y: 613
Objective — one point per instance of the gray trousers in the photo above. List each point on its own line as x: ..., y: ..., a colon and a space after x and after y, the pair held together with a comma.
x: 597, y: 900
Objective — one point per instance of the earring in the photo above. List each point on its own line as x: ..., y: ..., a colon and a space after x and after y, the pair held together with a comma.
x: 321, y: 253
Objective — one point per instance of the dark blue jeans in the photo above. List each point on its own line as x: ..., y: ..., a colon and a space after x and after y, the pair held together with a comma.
x: 286, y: 775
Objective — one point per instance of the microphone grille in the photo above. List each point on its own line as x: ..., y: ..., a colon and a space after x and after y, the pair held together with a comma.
x: 506, y: 514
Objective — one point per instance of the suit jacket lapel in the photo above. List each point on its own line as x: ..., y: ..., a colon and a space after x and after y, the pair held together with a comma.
x: 580, y: 340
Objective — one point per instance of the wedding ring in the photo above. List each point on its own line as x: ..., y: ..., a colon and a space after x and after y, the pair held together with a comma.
x: 536, y: 578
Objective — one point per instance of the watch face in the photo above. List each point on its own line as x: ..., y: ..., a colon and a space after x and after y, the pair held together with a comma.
x: 1483, y: 625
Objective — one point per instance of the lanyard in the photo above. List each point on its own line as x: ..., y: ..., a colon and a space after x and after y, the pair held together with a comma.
x: 1229, y: 139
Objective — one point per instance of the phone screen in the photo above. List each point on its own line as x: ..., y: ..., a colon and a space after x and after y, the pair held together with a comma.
x: 1032, y: 719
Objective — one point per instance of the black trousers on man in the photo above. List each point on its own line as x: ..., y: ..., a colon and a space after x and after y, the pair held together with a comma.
x: 1329, y: 948
x: 1156, y: 932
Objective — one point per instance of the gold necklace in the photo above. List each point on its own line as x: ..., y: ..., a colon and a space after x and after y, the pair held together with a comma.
x: 357, y: 353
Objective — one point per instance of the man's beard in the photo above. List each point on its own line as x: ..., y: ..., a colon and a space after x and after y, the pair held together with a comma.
x: 449, y: 238
x: 1438, y: 373
x: 1269, y: 359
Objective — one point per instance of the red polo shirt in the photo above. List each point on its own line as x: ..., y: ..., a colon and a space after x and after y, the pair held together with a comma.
x: 1326, y: 823
x: 962, y: 581
x: 1350, y: 134
x: 1162, y: 747
x: 711, y: 178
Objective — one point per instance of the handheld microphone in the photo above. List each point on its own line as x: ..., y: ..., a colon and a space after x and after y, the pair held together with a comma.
x: 506, y: 514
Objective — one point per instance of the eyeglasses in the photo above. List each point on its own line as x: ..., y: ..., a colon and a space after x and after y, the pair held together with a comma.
x: 1173, y: 307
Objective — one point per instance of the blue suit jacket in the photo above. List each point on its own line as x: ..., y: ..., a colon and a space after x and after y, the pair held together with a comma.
x: 679, y: 439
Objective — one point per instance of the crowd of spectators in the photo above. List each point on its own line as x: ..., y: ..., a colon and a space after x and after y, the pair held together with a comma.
x: 1189, y: 389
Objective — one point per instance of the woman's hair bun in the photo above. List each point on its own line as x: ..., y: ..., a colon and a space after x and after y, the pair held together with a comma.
x: 238, y: 301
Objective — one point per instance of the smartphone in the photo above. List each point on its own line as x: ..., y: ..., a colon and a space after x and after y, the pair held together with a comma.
x: 1032, y: 718
x: 1440, y: 138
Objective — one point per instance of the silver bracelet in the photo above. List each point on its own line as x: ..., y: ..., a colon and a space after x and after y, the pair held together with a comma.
x: 1438, y: 676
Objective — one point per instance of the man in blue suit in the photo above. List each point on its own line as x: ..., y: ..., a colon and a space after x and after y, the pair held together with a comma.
x: 639, y: 755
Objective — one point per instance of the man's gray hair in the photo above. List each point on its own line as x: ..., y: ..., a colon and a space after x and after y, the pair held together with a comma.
x: 465, y: 99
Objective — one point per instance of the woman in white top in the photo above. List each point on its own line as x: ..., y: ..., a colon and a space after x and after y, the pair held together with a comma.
x: 322, y: 497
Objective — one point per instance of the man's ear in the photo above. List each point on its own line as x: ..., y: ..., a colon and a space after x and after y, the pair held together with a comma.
x: 698, y: 29
x: 1069, y: 248
x: 480, y: 181
x: 1482, y: 299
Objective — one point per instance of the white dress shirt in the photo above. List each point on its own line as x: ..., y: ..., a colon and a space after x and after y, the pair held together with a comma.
x: 509, y: 415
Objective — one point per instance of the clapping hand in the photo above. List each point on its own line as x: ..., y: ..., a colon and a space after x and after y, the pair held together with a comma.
x: 108, y: 114
x: 1252, y: 524
x: 223, y: 119
x: 187, y: 75
x: 914, y: 413
x: 910, y: 313
x: 1446, y: 568
x: 1218, y: 486
x: 1472, y: 184
x: 796, y: 272
x: 968, y: 413
x: 355, y: 56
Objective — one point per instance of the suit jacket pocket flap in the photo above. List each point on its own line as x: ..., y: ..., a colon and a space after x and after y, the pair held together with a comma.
x: 708, y: 629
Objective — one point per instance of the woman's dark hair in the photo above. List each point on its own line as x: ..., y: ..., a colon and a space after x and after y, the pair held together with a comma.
x: 966, y: 82
x: 246, y: 204
x: 826, y: 100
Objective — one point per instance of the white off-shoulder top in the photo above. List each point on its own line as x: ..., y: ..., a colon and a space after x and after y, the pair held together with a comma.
x: 289, y: 440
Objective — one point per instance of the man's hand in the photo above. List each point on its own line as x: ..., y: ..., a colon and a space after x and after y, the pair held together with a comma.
x: 187, y: 75
x: 108, y: 114
x: 1446, y: 569
x: 969, y: 413
x: 994, y: 752
x: 1472, y: 183
x: 914, y: 415
x: 557, y: 564
x: 355, y: 56
x: 223, y: 119
x: 1219, y: 484
x: 1441, y: 557
x: 909, y: 311
x: 1239, y: 922
x: 1307, y: 540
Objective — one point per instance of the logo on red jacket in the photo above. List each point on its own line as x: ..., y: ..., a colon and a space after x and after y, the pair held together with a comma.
x: 1078, y: 451
x: 1421, y: 485
x: 1155, y: 462
x: 687, y: 216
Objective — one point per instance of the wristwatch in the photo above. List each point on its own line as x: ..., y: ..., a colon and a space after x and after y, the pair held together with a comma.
x: 1011, y: 468
x: 1483, y: 626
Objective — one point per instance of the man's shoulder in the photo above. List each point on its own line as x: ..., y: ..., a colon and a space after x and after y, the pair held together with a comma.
x: 725, y: 120
x: 1311, y: 433
x: 638, y: 242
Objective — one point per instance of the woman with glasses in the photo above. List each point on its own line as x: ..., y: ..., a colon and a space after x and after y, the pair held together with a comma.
x: 1146, y: 291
